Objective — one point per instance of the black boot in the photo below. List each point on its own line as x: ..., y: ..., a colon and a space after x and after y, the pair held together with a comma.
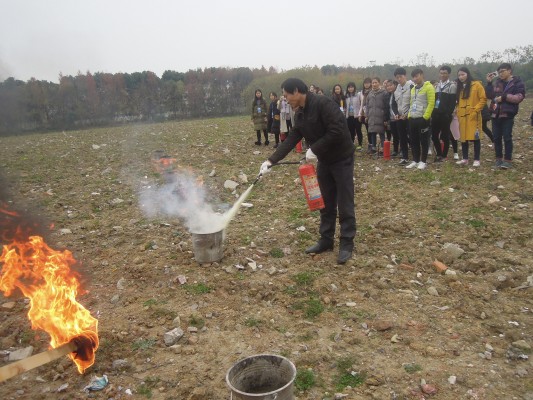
x: 321, y: 246
x: 345, y: 250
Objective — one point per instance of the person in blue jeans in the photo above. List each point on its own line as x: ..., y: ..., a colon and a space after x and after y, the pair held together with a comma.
x: 506, y: 93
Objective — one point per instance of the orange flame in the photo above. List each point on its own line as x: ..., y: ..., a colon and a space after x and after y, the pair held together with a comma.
x: 44, y: 276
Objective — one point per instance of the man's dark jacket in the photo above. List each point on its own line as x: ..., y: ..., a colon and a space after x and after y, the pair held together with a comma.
x: 324, y: 127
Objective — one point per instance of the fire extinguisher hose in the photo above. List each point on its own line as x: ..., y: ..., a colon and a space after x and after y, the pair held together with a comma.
x: 278, y: 163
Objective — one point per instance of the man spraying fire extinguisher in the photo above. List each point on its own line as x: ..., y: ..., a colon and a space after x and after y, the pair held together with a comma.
x: 319, y: 120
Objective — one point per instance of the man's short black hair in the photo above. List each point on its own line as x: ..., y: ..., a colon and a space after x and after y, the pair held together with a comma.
x: 292, y: 84
x: 445, y: 68
x: 505, y: 66
x: 416, y: 72
x: 400, y: 71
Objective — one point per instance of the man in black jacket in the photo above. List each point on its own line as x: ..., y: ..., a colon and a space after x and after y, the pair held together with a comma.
x: 445, y: 99
x: 319, y: 120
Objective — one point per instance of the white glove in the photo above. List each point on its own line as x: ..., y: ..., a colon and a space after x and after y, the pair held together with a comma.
x: 265, y: 167
x: 310, y: 156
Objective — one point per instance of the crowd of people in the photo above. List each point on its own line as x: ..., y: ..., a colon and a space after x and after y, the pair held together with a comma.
x: 418, y: 116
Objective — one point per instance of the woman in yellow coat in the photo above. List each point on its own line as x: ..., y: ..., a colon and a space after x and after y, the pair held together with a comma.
x: 470, y: 101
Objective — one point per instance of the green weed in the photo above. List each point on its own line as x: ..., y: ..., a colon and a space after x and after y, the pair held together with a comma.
x: 476, y: 223
x: 305, y: 379
x: 276, y: 253
x: 251, y: 322
x: 349, y: 379
x: 412, y: 368
x: 197, y: 288
x: 313, y: 308
x: 197, y: 321
x: 150, y: 303
x: 304, y: 278
x: 143, y: 344
x: 144, y: 390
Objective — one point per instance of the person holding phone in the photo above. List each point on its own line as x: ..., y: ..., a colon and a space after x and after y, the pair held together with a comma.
x: 506, y: 93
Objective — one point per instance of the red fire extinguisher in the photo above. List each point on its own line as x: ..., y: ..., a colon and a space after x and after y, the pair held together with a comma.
x: 386, y: 150
x: 311, y: 188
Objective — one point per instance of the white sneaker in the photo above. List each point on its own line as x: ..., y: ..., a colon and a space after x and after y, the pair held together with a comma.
x: 412, y: 165
x: 462, y: 162
x: 455, y: 156
x: 476, y: 163
x: 421, y: 165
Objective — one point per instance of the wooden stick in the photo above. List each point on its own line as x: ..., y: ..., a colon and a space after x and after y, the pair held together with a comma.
x: 21, y: 366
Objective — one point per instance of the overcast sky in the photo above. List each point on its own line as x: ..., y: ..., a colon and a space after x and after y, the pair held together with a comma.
x: 41, y: 38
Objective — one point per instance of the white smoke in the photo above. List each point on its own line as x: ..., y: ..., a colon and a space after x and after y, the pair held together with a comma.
x: 183, y: 198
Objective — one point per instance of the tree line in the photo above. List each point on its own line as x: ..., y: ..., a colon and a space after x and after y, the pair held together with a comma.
x: 104, y: 98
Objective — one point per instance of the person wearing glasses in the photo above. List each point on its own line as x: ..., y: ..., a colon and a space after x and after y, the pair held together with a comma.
x: 506, y: 93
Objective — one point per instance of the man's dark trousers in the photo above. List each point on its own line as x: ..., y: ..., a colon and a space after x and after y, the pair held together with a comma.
x: 337, y: 188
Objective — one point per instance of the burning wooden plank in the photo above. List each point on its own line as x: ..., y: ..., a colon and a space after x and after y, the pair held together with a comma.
x: 45, y: 277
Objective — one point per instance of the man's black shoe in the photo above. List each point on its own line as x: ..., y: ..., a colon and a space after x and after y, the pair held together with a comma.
x: 344, y: 255
x: 320, y: 247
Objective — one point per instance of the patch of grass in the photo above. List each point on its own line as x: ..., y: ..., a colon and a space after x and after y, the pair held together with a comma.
x: 290, y: 290
x: 26, y: 337
x: 304, y: 278
x: 475, y: 210
x: 276, y: 252
x: 422, y: 177
x: 143, y: 344
x: 197, y: 288
x: 361, y: 315
x: 159, y: 312
x: 197, y: 321
x: 476, y: 223
x: 145, y: 389
x: 313, y: 308
x: 281, y: 329
x: 150, y: 303
x: 305, y: 379
x: 442, y: 215
x: 295, y: 214
x: 306, y: 336
x: 345, y: 364
x: 412, y: 368
x: 251, y: 322
x: 305, y: 236
x: 349, y: 379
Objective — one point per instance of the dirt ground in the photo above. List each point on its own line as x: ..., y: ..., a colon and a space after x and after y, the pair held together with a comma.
x: 387, y: 325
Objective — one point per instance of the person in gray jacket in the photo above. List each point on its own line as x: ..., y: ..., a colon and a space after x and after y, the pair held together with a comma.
x: 377, y: 113
x: 402, y: 95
